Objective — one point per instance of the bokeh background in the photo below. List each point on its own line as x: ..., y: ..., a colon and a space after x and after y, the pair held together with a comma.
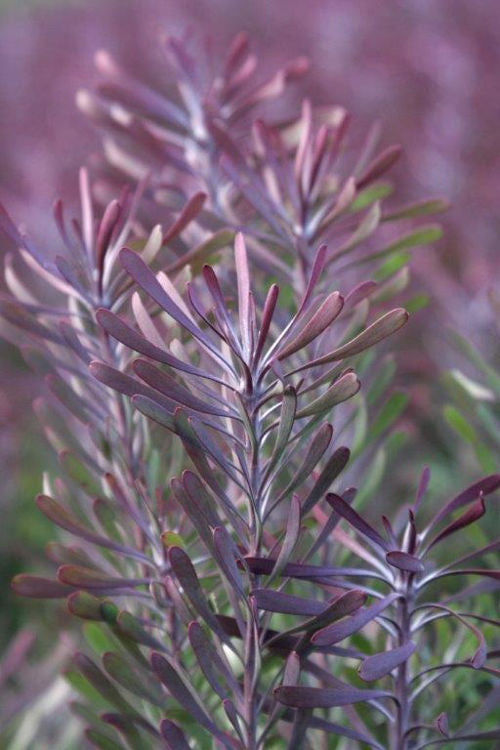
x: 428, y: 69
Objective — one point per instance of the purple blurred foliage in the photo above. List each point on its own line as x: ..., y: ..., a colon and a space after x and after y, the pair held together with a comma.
x: 427, y: 68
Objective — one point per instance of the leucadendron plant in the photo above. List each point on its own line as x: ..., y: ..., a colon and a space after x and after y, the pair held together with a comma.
x: 212, y: 432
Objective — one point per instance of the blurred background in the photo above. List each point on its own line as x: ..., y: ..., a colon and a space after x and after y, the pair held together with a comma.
x: 428, y: 69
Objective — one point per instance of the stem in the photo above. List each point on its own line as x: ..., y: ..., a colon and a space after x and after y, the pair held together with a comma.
x: 402, y: 691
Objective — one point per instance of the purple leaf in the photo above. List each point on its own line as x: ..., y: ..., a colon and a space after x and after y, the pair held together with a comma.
x: 340, y: 506
x: 381, y: 164
x: 36, y: 587
x: 405, y: 561
x: 85, y: 578
x: 117, y: 328
x: 310, y: 697
x: 173, y: 736
x: 340, y: 630
x: 188, y: 213
x: 227, y: 554
x: 322, y: 318
x: 63, y: 518
x: 330, y: 472
x: 243, y: 281
x: 211, y: 664
x: 291, y: 538
x: 422, y: 488
x: 147, y: 281
x: 186, y: 575
x: 267, y: 316
x: 277, y: 601
x: 377, y: 666
x: 180, y: 689
x: 484, y: 486
x: 382, y: 328
x: 165, y: 384
x: 471, y: 515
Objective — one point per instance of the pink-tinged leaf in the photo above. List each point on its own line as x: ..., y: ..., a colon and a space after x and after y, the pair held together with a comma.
x: 173, y: 736
x: 267, y: 316
x: 379, y: 166
x: 484, y: 487
x: 471, y: 515
x: 316, y: 270
x: 342, y: 389
x: 146, y: 280
x: 322, y: 318
x: 188, y: 213
x: 405, y: 561
x: 36, y: 587
x: 309, y: 697
x: 117, y: 328
x: 382, y: 328
x: 105, y: 232
x: 165, y: 384
x: 183, y: 693
x: 340, y: 506
x: 86, y: 578
x: 340, y: 630
x: 277, y: 601
x: 359, y: 293
x: 379, y: 665
x: 333, y: 467
x: 243, y: 281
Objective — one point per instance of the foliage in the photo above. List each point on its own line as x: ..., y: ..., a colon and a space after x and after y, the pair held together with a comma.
x: 208, y: 481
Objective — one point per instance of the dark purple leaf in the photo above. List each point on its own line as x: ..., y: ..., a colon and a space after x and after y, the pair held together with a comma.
x: 180, y: 689
x: 173, y: 736
x: 381, y: 164
x: 471, y: 515
x: 484, y: 487
x: 211, y: 664
x: 188, y: 213
x: 377, y: 666
x: 340, y: 506
x: 330, y: 472
x: 277, y: 601
x: 340, y: 630
x: 227, y: 555
x: 310, y: 697
x: 405, y: 561
x: 165, y: 384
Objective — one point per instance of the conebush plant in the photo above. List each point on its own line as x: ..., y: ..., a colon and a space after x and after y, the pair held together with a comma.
x: 210, y: 334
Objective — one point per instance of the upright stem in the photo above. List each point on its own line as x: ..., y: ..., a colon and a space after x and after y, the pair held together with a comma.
x: 402, y: 682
